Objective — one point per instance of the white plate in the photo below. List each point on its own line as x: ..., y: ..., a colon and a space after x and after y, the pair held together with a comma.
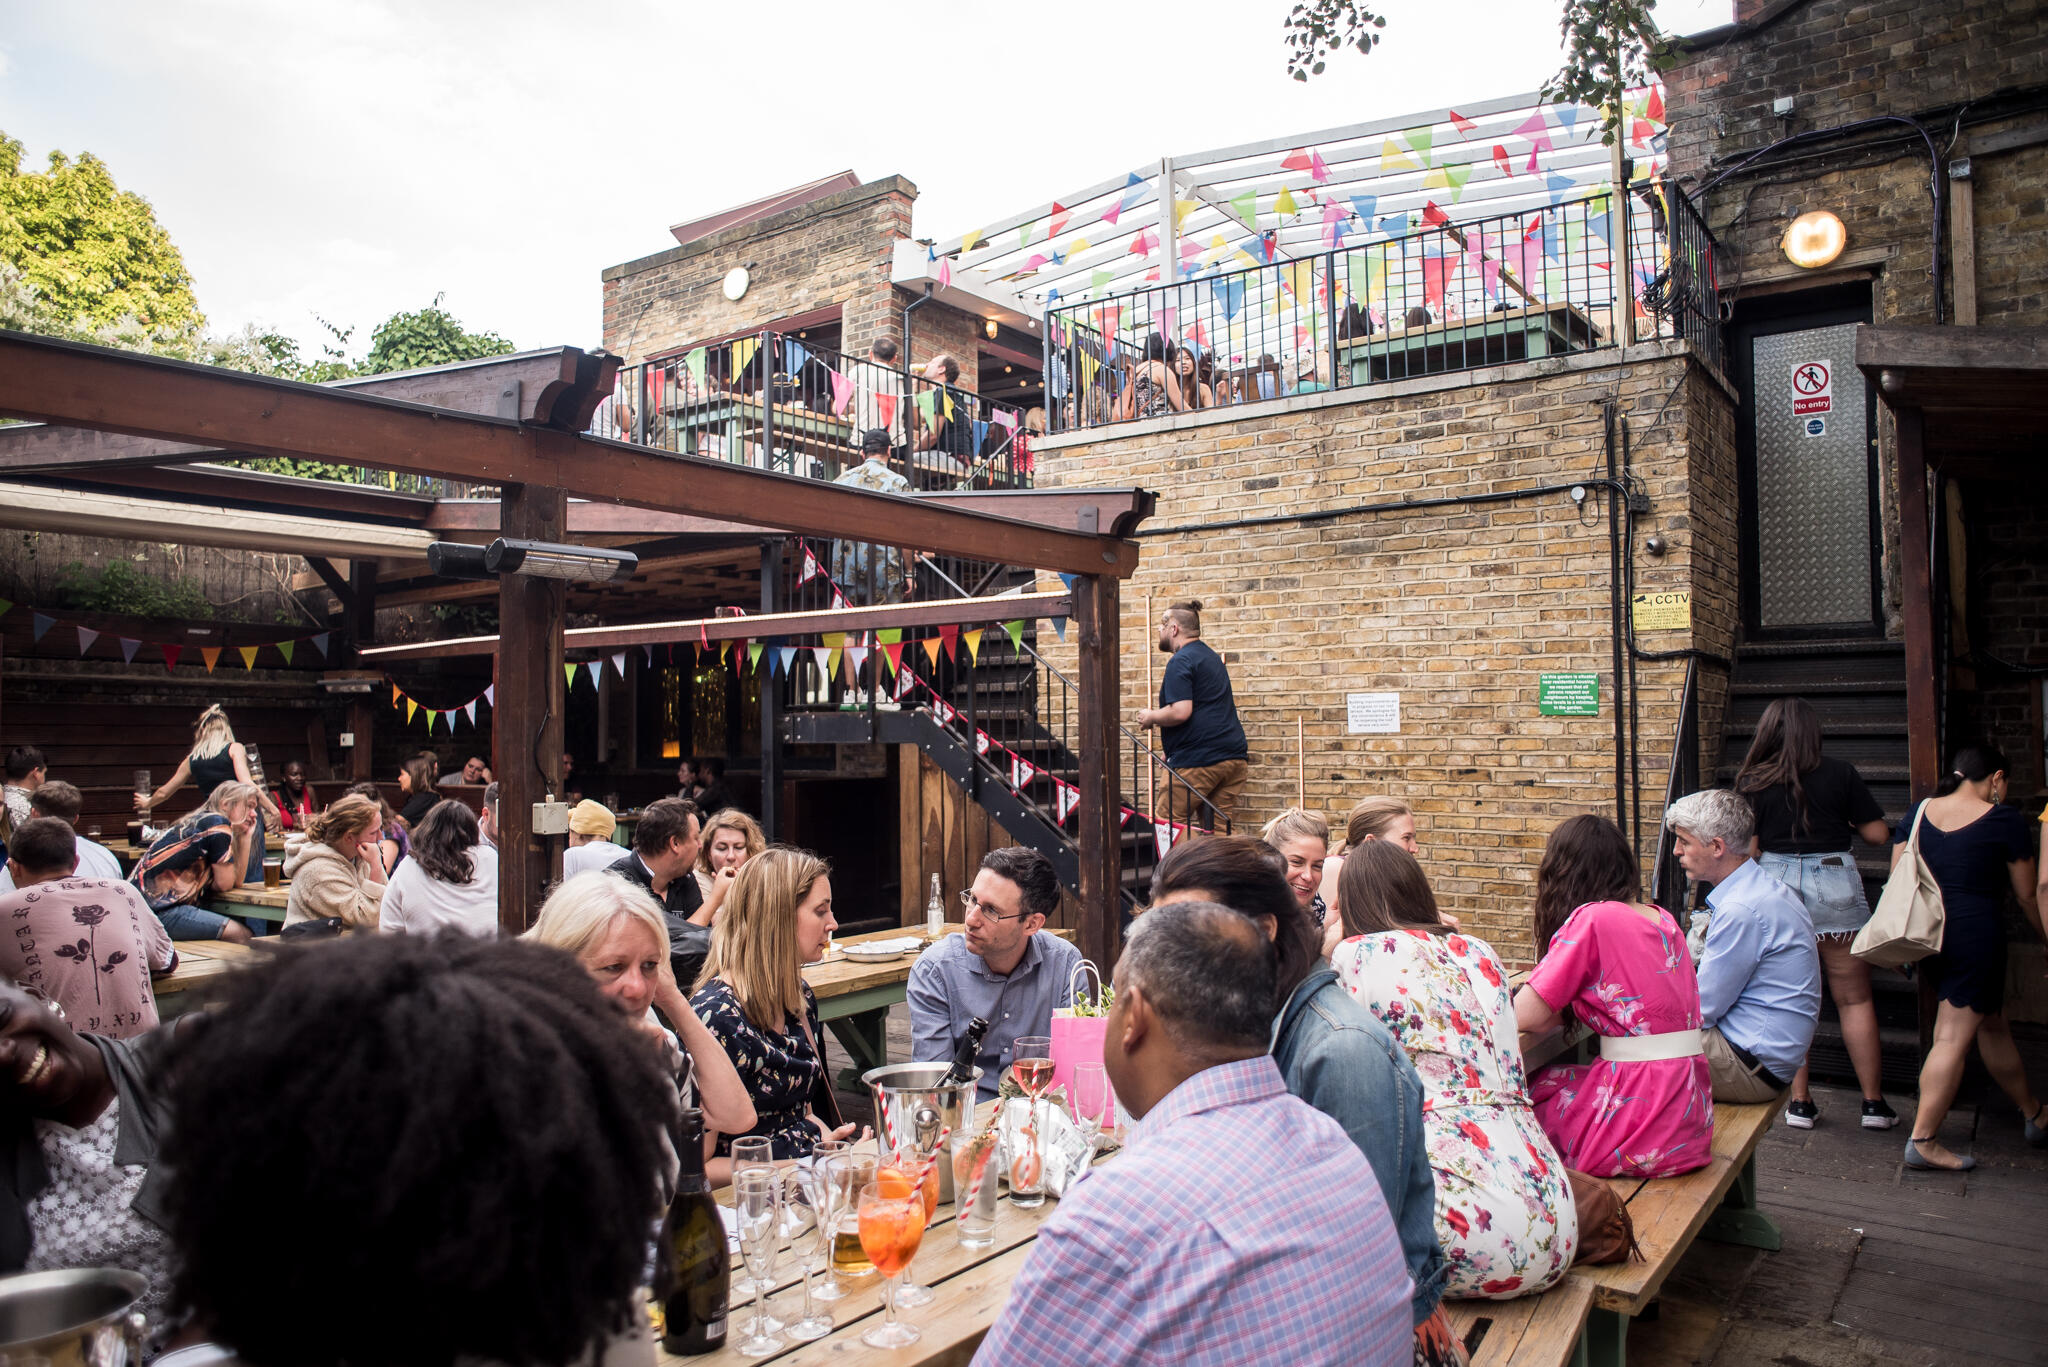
x: 872, y: 956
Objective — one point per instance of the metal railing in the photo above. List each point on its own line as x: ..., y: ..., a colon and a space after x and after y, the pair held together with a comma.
x: 1446, y: 298
x: 773, y: 402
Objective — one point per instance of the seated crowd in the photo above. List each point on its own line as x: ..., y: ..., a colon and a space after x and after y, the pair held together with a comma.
x: 1276, y: 1000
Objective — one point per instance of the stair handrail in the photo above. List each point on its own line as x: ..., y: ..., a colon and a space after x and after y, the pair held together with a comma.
x: 1217, y: 822
x: 1682, y: 776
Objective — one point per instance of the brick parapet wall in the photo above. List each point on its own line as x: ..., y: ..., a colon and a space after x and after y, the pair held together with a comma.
x: 1458, y: 609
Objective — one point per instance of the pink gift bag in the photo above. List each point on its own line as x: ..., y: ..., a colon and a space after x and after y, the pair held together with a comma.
x: 1078, y: 1039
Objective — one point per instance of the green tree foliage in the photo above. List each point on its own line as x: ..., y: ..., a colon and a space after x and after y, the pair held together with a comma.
x: 1610, y: 46
x: 118, y: 587
x: 90, y: 255
x: 408, y: 341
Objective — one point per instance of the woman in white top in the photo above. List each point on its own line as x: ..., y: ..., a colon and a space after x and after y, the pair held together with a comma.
x: 449, y: 883
x: 614, y: 927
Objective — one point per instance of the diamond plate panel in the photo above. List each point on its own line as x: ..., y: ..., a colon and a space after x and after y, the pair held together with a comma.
x: 1812, y: 491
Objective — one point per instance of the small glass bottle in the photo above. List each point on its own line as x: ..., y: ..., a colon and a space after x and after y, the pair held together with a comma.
x: 935, y: 912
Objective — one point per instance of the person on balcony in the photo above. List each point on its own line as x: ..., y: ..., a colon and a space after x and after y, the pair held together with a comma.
x: 1007, y: 969
x: 1198, y: 727
x: 1759, y: 974
x: 948, y: 426
x: 1153, y: 390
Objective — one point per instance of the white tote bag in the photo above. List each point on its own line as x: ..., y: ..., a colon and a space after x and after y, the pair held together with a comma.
x: 1906, y: 927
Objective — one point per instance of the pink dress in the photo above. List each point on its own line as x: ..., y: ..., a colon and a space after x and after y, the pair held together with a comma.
x: 1623, y: 975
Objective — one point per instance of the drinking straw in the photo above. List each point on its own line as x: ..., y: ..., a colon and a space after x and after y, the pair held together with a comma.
x: 980, y: 1175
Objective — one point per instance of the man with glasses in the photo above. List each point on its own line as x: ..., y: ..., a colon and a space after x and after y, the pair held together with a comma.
x: 1006, y: 969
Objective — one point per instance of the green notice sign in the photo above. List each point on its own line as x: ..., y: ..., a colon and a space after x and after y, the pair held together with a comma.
x: 1568, y: 695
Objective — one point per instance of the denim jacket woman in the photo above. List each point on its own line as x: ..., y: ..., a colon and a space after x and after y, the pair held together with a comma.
x: 1340, y: 1060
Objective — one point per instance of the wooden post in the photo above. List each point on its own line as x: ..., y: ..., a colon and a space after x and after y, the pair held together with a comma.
x: 359, y: 628
x: 362, y: 724
x: 1923, y: 758
x: 1962, y: 241
x: 1097, y: 606
x: 528, y: 716
x: 771, y: 744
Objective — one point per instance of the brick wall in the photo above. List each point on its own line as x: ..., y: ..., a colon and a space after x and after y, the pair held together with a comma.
x: 1458, y: 609
x: 835, y: 250
x: 935, y: 329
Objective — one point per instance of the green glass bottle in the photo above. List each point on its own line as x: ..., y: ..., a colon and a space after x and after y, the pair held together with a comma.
x: 693, y: 1269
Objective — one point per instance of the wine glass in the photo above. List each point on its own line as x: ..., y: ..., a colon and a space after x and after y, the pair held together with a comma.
x: 1031, y: 1064
x: 1088, y: 1096
x: 908, y: 1162
x: 757, y: 1210
x: 804, y: 1207
x: 831, y: 1203
x: 751, y: 1151
x: 891, y: 1227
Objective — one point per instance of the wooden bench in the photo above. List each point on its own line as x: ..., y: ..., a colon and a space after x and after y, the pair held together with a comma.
x: 1716, y: 1202
x: 1533, y: 1331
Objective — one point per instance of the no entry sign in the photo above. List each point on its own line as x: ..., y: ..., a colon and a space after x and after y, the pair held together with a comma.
x: 1813, y: 388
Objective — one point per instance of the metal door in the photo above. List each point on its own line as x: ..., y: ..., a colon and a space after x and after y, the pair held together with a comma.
x: 1813, y: 493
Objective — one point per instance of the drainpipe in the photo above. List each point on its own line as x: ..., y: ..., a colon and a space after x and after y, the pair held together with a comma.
x: 908, y: 308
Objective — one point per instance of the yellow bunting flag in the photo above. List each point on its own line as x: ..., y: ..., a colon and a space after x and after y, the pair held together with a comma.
x: 973, y: 639
x: 410, y: 708
x: 1285, y: 204
x: 743, y: 349
x: 568, y: 676
x: 248, y: 654
x: 1181, y: 209
x: 971, y: 241
x: 931, y: 648
x: 211, y: 654
x: 1077, y: 246
x: 1392, y: 158
x: 832, y: 661
x: 724, y: 650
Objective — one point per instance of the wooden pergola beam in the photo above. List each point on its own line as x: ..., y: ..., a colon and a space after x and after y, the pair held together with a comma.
x: 882, y: 617
x: 93, y: 387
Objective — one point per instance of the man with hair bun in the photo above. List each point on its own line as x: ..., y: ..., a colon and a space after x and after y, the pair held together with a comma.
x: 1197, y: 721
x: 1240, y: 1224
x: 1759, y: 972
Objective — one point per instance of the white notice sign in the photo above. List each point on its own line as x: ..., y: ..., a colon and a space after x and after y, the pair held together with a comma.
x: 1372, y: 714
x: 1813, y: 388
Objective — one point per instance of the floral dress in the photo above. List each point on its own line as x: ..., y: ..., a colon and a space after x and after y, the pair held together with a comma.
x: 1504, y: 1211
x: 1622, y: 974
x: 779, y: 1067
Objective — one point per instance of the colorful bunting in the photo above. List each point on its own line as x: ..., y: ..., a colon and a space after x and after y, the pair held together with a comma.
x: 410, y: 708
x: 1318, y: 170
x: 1461, y: 123
x: 128, y: 648
x: 1065, y: 797
x: 1022, y: 771
x: 931, y: 648
x: 1015, y: 631
x: 86, y: 636
x: 1285, y: 203
x: 40, y: 623
x: 1246, y: 207
x: 211, y: 655
x: 284, y: 648
x: 949, y: 637
x: 248, y: 654
x: 1392, y: 158
x: 1500, y: 159
x: 171, y: 654
x: 973, y: 639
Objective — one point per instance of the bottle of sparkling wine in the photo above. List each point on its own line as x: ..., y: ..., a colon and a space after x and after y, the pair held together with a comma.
x: 692, y: 1269
x: 963, y: 1057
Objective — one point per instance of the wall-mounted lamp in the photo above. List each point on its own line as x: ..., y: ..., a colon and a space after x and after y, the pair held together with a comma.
x: 1814, y: 239
x: 989, y: 326
x: 547, y: 560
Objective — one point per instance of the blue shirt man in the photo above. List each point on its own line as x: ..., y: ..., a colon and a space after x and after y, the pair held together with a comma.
x: 1005, y: 969
x: 1198, y: 725
x: 1759, y: 971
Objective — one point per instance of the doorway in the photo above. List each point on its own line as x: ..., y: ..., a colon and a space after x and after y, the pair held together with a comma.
x: 1806, y: 441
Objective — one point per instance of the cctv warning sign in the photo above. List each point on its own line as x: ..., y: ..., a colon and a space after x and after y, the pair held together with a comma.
x: 1813, y: 388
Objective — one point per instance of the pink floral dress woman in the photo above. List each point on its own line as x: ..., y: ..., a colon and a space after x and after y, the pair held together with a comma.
x: 1623, y: 973
x: 1504, y: 1211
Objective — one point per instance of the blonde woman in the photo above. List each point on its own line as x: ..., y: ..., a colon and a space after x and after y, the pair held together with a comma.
x: 216, y: 757
x: 337, y: 871
x: 204, y: 853
x: 753, y: 997
x: 614, y: 928
x: 1373, y: 818
x: 1303, y: 839
x: 730, y: 839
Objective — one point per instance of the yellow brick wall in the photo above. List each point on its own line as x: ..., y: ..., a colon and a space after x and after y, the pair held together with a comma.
x: 1459, y: 609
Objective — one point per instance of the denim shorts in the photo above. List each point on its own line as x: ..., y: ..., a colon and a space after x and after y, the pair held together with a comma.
x: 1830, y: 885
x: 192, y: 923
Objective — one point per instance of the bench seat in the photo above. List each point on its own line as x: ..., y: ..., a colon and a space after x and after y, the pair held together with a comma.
x: 1531, y: 1331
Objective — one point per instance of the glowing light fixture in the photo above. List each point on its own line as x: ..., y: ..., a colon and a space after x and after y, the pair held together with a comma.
x: 1814, y: 239
x: 989, y: 327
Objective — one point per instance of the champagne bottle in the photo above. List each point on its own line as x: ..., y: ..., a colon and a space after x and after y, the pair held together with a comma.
x: 692, y: 1269
x: 963, y: 1057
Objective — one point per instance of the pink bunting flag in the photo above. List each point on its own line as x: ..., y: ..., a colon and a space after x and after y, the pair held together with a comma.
x: 1500, y: 159
x: 1462, y: 124
x: 945, y: 271
x: 1059, y: 220
x: 1437, y: 272
x: 1297, y: 160
x: 128, y: 649
x: 1318, y: 169
x: 1065, y: 798
x: 1124, y: 819
x: 885, y: 409
x: 842, y: 394
x: 1147, y: 242
x: 1022, y: 771
x: 86, y: 636
x: 982, y: 742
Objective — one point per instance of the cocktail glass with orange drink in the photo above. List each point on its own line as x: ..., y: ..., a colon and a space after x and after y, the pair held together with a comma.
x: 905, y: 1164
x: 892, y: 1219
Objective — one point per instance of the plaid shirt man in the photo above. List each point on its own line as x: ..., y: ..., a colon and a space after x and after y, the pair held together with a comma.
x: 1239, y: 1225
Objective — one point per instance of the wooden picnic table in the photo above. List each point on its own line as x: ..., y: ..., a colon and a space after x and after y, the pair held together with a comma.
x: 122, y: 849
x: 252, y: 899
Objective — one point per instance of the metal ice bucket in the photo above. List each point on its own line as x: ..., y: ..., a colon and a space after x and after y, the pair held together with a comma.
x: 80, y: 1318
x: 912, y: 1106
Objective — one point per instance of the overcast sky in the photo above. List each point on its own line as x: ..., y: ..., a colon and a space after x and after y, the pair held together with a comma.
x: 351, y: 158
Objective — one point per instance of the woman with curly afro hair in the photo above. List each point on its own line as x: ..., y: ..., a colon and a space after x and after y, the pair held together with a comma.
x: 426, y: 1150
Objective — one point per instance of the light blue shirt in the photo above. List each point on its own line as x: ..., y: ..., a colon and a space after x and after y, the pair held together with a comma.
x: 1760, y: 972
x: 951, y: 985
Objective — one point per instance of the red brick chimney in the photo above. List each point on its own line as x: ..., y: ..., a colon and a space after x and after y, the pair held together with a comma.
x: 1746, y: 10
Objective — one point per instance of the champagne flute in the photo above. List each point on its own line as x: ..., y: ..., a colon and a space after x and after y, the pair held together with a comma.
x: 891, y: 1227
x: 757, y: 1206
x: 909, y: 1162
x: 831, y: 1202
x: 750, y: 1151
x: 804, y: 1207
x: 1088, y: 1095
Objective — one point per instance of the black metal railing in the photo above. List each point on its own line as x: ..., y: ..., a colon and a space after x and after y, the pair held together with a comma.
x: 773, y: 402
x: 1444, y: 298
x: 1668, y: 884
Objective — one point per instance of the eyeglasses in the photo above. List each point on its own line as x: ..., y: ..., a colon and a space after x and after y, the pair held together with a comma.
x: 986, y: 913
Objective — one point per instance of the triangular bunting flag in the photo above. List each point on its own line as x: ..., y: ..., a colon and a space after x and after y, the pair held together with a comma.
x: 1392, y: 158
x: 40, y: 623
x: 944, y: 710
x: 211, y: 654
x: 973, y: 639
x: 950, y: 638
x: 1318, y: 169
x: 1124, y: 818
x: 568, y: 678
x: 893, y: 652
x: 248, y: 654
x: 619, y: 664
x: 410, y: 708
x: 1246, y: 207
x: 832, y: 661
x: 981, y: 742
x: 856, y: 656
x: 86, y: 636
x: 1461, y: 123
x: 171, y: 654
x: 470, y: 707
x: 822, y: 658
x: 396, y: 694
x: 1164, y: 833
x: 1500, y: 159
x: 320, y: 644
x: 787, y: 655
x: 1285, y: 203
x: 491, y: 695
x: 1015, y: 631
x: 128, y: 648
x: 754, y: 649
x: 931, y: 649
x: 6, y: 606
x: 1059, y: 627
x: 1065, y: 797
